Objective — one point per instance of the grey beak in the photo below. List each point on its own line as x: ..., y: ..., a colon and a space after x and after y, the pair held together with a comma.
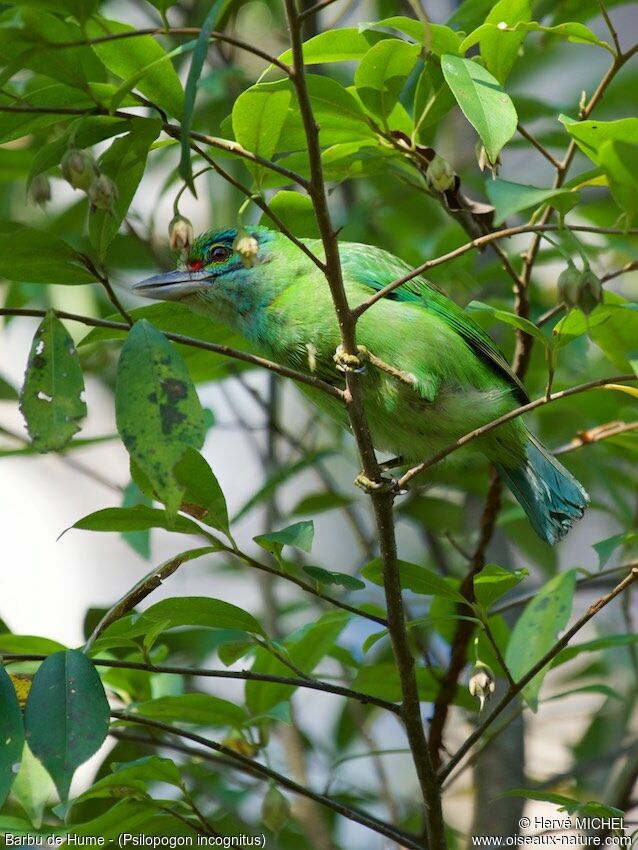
x: 171, y: 286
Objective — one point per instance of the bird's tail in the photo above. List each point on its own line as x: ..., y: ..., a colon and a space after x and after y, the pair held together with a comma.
x: 550, y: 496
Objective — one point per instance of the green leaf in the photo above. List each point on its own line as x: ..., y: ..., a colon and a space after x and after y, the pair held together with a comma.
x: 500, y: 48
x: 157, y: 409
x: 536, y: 631
x: 305, y: 648
x: 11, y: 734
x: 135, y: 518
x: 613, y: 326
x: 381, y: 75
x: 125, y: 57
x: 202, y: 490
x: 415, y: 578
x: 572, y: 31
x: 382, y: 680
x: 180, y: 611
x: 433, y: 98
x: 328, y: 577
x: 509, y: 319
x: 590, y: 136
x: 33, y: 256
x: 66, y: 717
x: 487, y: 107
x: 340, y: 45
x: 567, y: 804
x: 596, y: 645
x: 605, y: 548
x: 124, y: 163
x: 436, y: 38
x: 509, y: 198
x: 317, y: 503
x: 136, y: 776
x: 194, y: 73
x: 296, y: 212
x: 51, y: 397
x: 33, y: 787
x: 493, y: 582
x: 299, y: 535
x: 7, y: 392
x: 620, y: 163
x: 259, y: 114
x: 140, y: 540
x: 199, y: 709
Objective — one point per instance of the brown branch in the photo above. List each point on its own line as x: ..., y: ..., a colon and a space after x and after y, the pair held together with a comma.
x: 382, y: 499
x: 549, y: 656
x: 539, y: 147
x: 506, y: 417
x: 610, y: 26
x: 191, y: 342
x: 595, y: 435
x: 475, y: 244
x: 244, y: 675
x: 241, y: 762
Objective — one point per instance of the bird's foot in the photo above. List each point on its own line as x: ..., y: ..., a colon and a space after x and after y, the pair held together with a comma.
x: 385, y: 485
x: 351, y: 362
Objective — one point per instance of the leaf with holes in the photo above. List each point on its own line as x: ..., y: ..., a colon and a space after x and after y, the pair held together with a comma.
x: 66, y: 717
x: 157, y: 410
x: 51, y: 398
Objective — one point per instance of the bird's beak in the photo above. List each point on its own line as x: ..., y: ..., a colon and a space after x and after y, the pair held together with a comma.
x: 171, y: 286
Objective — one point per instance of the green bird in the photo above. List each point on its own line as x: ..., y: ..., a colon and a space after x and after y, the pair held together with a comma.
x: 438, y: 374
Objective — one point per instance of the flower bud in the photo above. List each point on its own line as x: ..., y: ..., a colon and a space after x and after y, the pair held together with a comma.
x: 22, y: 684
x: 440, y: 174
x: 580, y: 289
x: 78, y: 169
x: 240, y: 745
x: 40, y: 190
x: 247, y: 247
x: 590, y: 294
x: 482, y: 683
x: 102, y: 193
x: 180, y: 233
x: 275, y: 809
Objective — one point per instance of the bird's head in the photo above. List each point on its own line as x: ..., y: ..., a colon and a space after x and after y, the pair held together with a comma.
x: 221, y: 274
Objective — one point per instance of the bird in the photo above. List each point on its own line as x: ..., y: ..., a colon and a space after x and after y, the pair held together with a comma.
x: 432, y: 376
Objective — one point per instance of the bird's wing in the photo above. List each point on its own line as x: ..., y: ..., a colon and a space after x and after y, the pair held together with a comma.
x: 376, y: 268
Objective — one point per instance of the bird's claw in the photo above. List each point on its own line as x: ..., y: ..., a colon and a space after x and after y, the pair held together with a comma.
x: 351, y: 362
x: 384, y: 485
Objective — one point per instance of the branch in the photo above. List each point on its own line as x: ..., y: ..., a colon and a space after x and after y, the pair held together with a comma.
x: 478, y: 243
x: 512, y: 414
x: 208, y: 673
x: 595, y: 435
x: 382, y: 499
x: 255, y: 768
x: 539, y: 147
x: 225, y: 350
x: 560, y: 644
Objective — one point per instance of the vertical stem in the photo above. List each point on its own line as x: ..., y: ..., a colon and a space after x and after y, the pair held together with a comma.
x: 382, y: 500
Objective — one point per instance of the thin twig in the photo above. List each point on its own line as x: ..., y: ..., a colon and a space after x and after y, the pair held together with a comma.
x: 506, y: 417
x: 595, y: 435
x: 539, y: 147
x: 549, y: 656
x: 240, y: 761
x: 225, y: 350
x: 610, y: 26
x: 208, y: 673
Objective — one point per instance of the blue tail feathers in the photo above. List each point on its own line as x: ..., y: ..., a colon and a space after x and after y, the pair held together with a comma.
x: 550, y: 496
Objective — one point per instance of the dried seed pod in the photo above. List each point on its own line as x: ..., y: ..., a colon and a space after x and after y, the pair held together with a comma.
x: 79, y: 169
x: 102, y: 193
x: 40, y: 190
x: 180, y: 233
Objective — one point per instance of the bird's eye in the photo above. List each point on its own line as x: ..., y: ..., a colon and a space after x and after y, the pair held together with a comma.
x: 220, y: 254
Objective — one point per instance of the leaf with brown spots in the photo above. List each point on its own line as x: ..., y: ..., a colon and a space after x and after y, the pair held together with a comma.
x: 51, y: 398
x: 157, y: 409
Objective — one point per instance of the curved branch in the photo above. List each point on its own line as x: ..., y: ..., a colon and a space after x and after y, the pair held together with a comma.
x: 191, y: 342
x: 512, y: 414
x: 256, y: 768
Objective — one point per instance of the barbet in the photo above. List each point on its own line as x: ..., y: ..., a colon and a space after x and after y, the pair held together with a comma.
x: 457, y: 379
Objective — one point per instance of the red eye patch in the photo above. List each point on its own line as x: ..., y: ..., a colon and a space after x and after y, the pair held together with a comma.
x: 196, y: 265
